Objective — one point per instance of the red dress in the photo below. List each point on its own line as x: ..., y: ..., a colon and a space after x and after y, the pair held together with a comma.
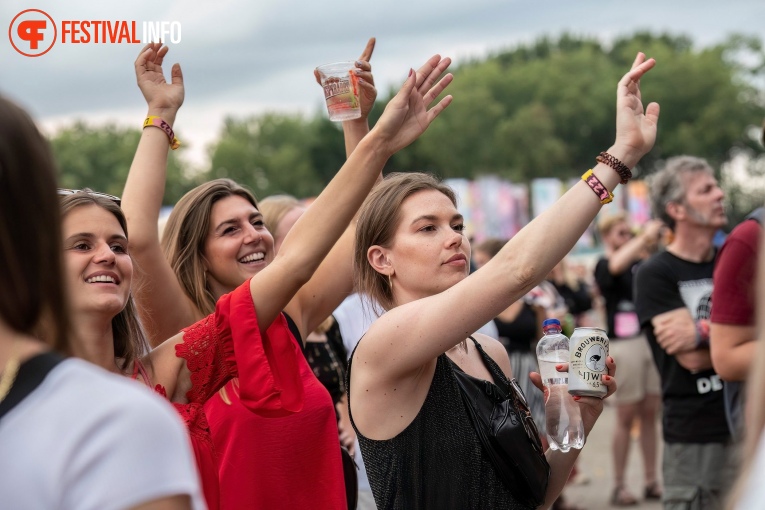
x: 273, y: 463
x: 268, y: 372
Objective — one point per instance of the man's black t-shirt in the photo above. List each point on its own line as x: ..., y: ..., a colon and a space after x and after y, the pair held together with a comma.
x: 617, y: 293
x: 693, y: 402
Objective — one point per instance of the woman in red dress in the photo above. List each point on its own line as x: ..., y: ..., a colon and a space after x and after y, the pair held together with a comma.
x: 286, y: 455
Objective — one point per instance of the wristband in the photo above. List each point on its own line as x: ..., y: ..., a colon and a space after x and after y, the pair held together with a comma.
x: 702, y: 334
x: 600, y: 190
x: 623, y: 170
x: 153, y: 120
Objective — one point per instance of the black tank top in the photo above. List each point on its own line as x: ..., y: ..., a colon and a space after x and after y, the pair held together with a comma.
x: 437, y: 462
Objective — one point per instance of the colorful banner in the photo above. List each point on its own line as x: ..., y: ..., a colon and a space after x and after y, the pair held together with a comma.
x: 493, y: 207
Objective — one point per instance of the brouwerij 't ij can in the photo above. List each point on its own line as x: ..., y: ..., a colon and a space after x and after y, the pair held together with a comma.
x: 588, y: 350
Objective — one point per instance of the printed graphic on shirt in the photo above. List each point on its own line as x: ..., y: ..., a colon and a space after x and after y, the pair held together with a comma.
x: 697, y: 296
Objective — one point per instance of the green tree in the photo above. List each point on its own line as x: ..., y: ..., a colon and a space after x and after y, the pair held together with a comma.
x: 279, y: 153
x: 547, y: 108
x: 99, y: 158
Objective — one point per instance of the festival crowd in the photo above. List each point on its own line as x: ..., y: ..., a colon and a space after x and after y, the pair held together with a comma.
x: 263, y: 354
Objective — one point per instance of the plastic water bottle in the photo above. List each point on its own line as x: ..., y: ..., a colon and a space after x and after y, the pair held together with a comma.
x: 565, y: 429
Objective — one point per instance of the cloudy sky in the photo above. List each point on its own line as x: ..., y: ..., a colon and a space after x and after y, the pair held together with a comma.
x: 242, y: 57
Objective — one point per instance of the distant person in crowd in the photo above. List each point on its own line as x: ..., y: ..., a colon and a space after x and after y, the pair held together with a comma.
x: 285, y: 455
x: 485, y: 250
x: 673, y: 291
x: 72, y: 436
x: 639, y: 393
x: 732, y: 333
x: 418, y: 442
x: 575, y: 292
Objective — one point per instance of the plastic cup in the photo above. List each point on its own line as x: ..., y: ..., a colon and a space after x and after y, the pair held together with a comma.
x: 341, y: 90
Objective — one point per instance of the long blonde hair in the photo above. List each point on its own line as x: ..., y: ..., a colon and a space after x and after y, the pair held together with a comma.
x: 184, y: 236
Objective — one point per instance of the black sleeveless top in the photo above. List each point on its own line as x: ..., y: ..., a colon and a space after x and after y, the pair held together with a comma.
x: 437, y: 462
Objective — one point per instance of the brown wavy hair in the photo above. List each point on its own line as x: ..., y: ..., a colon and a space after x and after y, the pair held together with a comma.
x: 378, y: 221
x: 183, y: 239
x: 32, y: 296
x: 130, y: 340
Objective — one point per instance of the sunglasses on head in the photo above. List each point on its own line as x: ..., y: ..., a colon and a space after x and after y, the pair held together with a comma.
x: 64, y: 192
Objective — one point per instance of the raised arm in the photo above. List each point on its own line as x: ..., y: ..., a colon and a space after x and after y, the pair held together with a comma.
x: 163, y: 305
x: 621, y: 259
x: 333, y: 280
x: 405, y: 118
x: 434, y: 324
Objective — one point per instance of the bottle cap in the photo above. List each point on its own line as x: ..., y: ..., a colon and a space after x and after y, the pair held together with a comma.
x: 550, y: 324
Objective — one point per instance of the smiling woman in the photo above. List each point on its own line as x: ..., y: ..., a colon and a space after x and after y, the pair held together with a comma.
x: 69, y: 431
x: 99, y: 273
x: 273, y: 428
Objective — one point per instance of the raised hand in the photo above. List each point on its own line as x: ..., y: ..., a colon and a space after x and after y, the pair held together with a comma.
x: 635, y: 128
x: 407, y: 116
x: 366, y: 82
x: 159, y: 95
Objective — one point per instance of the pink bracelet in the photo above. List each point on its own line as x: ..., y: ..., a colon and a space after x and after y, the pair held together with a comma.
x: 600, y: 190
x: 153, y: 120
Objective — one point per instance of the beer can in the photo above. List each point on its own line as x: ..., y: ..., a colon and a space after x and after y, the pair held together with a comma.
x: 588, y: 350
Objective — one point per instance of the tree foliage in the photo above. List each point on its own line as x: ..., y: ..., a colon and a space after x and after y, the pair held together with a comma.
x: 276, y: 153
x: 544, y: 109
x: 548, y: 108
x: 99, y: 158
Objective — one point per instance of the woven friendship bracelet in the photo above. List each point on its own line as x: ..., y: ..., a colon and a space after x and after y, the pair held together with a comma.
x: 623, y: 170
x: 153, y: 120
x: 600, y: 190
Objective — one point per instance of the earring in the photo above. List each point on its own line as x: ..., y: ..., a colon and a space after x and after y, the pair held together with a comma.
x: 390, y: 283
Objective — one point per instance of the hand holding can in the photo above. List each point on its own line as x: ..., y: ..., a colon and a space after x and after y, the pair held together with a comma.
x: 587, y: 365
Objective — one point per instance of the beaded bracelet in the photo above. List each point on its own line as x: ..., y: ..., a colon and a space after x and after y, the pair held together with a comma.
x: 622, y: 169
x: 153, y: 120
x: 600, y: 190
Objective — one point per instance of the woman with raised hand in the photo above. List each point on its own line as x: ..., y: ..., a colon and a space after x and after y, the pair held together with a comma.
x: 72, y: 436
x: 417, y: 439
x: 286, y: 455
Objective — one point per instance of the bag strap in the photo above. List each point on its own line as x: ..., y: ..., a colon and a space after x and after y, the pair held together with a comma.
x: 496, y: 373
x: 31, y: 374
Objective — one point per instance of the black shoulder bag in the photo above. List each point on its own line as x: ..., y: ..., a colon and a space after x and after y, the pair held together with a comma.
x: 502, y: 420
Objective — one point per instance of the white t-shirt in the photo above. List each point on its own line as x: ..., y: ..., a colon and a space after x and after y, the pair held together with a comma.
x: 87, y: 439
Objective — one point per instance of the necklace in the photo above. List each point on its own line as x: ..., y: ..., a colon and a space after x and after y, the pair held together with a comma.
x: 10, y: 370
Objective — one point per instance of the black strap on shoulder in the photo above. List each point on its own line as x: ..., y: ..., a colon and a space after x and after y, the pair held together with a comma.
x: 496, y: 373
x: 31, y: 373
x: 295, y: 332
